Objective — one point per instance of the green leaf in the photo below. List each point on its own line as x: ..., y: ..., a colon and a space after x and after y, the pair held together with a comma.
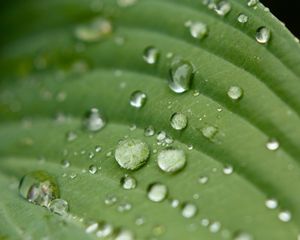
x: 61, y: 58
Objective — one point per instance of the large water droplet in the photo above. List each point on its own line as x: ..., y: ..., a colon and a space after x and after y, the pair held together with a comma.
x: 222, y: 8
x: 181, y: 74
x: 39, y: 188
x: 151, y: 55
x: 128, y: 182
x: 171, y: 160
x: 59, y: 206
x: 189, y: 210
x: 272, y: 144
x: 235, y: 92
x: 271, y: 203
x: 285, y: 216
x: 138, y: 99
x: 157, y: 192
x: 178, y: 121
x: 263, y: 35
x: 197, y: 29
x: 132, y: 153
x: 242, y: 18
x: 93, y: 121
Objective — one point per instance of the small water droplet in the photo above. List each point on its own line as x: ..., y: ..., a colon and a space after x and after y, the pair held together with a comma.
x: 149, y: 131
x: 65, y: 163
x: 181, y: 74
x: 252, y: 3
x: 263, y: 35
x: 285, y: 216
x: 93, y: 169
x: 271, y: 203
x: 175, y: 203
x: 157, y: 192
x: 140, y: 221
x: 93, y: 120
x: 124, y: 207
x: 105, y: 230
x: 178, y: 121
x: 198, y: 29
x: 242, y: 236
x: 235, y: 92
x: 126, y: 3
x: 39, y: 188
x: 59, y: 206
x: 190, y: 147
x: 196, y: 93
x: 204, y: 222
x: 110, y: 200
x: 98, y: 148
x: 132, y: 153
x: 124, y: 235
x: 228, y: 169
x: 215, y: 227
x: 171, y: 160
x: 151, y: 55
x: 222, y: 8
x: 203, y: 179
x: 138, y: 99
x: 242, y: 18
x: 128, y: 182
x: 272, y: 144
x: 71, y: 136
x: 91, y: 227
x: 189, y: 210
x: 132, y: 127
x: 209, y: 131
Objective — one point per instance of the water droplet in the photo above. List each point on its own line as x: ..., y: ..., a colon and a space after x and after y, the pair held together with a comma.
x: 140, y: 221
x: 203, y: 179
x: 271, y: 203
x: 197, y: 29
x: 105, y: 230
x: 124, y: 235
x: 235, y: 92
x: 204, y: 222
x: 151, y: 55
x: 222, y: 8
x: 242, y: 236
x: 190, y: 147
x: 132, y: 127
x: 132, y: 153
x: 98, y: 149
x: 189, y: 210
x: 242, y: 18
x: 149, y: 131
x: 171, y: 160
x: 126, y: 3
x: 228, y: 169
x: 138, y: 99
x: 272, y: 145
x: 181, y: 74
x: 94, y: 31
x: 178, y: 121
x: 71, y: 136
x: 285, y: 216
x: 39, y: 188
x: 124, y: 207
x: 128, y: 182
x: 59, y: 206
x: 91, y: 227
x: 65, y: 163
x: 252, y: 3
x: 263, y: 35
x: 175, y: 203
x: 209, y: 131
x: 93, y: 169
x: 157, y: 192
x: 196, y: 93
x: 215, y: 227
x: 110, y: 200
x: 93, y: 120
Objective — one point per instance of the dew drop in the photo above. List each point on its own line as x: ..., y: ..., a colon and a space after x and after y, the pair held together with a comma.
x: 215, y: 227
x: 271, y: 203
x: 132, y: 153
x: 126, y: 3
x: 59, y: 206
x: 93, y: 169
x: 93, y: 120
x: 198, y: 30
x: 171, y: 160
x: 252, y: 3
x: 272, y: 145
x: 181, y: 74
x: 91, y: 227
x: 140, y: 221
x: 151, y: 55
x: 105, y: 230
x: 222, y: 8
x: 157, y: 192
x: 209, y: 131
x: 285, y: 216
x: 242, y: 236
x: 235, y: 92
x: 227, y: 170
x: 204, y: 222
x: 149, y: 131
x: 71, y: 136
x: 124, y: 207
x: 242, y: 18
x: 138, y: 99
x: 175, y: 203
x: 65, y: 163
x: 178, y: 121
x: 128, y: 182
x: 203, y: 180
x: 263, y: 35
x: 39, y: 187
x: 98, y: 149
x: 189, y: 210
x: 124, y: 235
x: 110, y: 200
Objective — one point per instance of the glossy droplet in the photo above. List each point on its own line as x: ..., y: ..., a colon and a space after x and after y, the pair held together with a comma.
x: 105, y: 230
x: 138, y: 99
x: 149, y: 131
x: 235, y: 92
x: 65, y: 163
x: 157, y: 192
x: 71, y: 136
x: 285, y: 216
x: 189, y: 210
x: 128, y: 182
x: 171, y: 160
x: 242, y: 18
x: 93, y: 120
x: 91, y: 227
x: 94, y: 31
x: 222, y: 8
x: 242, y: 236
x: 272, y: 145
x: 197, y: 29
x: 39, y: 188
x: 132, y: 153
x: 124, y: 235
x: 209, y: 131
x: 203, y: 180
x: 93, y: 169
x: 271, y: 203
x: 110, y: 200
x: 151, y: 55
x: 59, y: 206
x: 175, y: 203
x: 124, y: 207
x: 178, y: 121
x: 98, y: 149
x: 181, y: 74
x: 263, y: 35
x: 252, y: 3
x: 228, y: 170
x: 215, y: 227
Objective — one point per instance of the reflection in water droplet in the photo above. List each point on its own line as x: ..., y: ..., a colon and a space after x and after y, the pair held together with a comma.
x: 171, y: 160
x: 263, y: 35
x: 272, y: 144
x: 138, y: 99
x: 132, y: 153
x: 128, y: 182
x: 93, y: 120
x: 197, y: 29
x: 222, y: 8
x: 157, y: 192
x: 59, y: 206
x: 151, y: 55
x: 285, y: 216
x: 189, y: 210
x: 235, y: 92
x: 178, y: 121
x: 242, y: 18
x: 149, y: 131
x: 271, y: 203
x: 39, y: 188
x: 181, y: 74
